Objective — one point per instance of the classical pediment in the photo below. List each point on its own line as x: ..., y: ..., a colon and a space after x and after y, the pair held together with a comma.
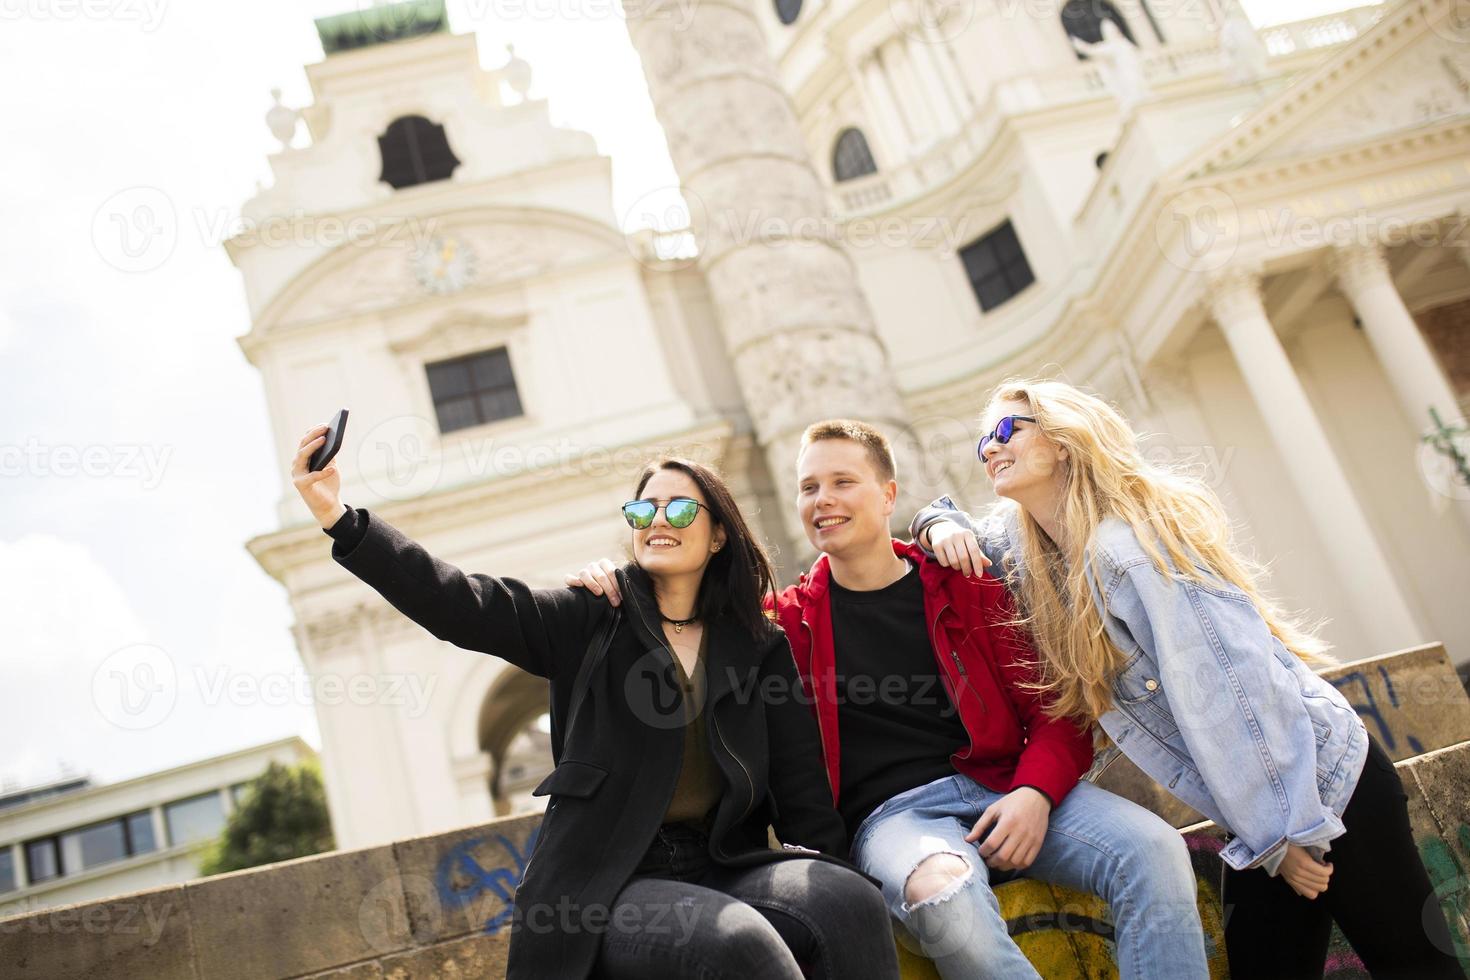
x: 1410, y: 70
x: 407, y: 268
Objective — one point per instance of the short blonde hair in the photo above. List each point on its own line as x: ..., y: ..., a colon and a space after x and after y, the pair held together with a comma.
x: 880, y: 452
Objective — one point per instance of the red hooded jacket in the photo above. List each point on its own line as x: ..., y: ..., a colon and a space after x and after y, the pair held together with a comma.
x: 1012, y: 741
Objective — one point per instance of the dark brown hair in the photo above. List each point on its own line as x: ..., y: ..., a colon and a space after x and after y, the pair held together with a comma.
x: 739, y: 575
x: 880, y: 452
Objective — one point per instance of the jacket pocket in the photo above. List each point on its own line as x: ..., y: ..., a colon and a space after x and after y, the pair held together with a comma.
x: 579, y: 779
x: 1138, y: 680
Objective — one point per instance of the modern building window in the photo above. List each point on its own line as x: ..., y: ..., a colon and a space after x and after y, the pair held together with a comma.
x: 997, y: 266
x: 788, y: 10
x: 195, y: 818
x: 73, y: 851
x: 140, y: 832
x: 473, y: 390
x: 1083, y: 19
x: 90, y: 846
x: 7, y: 869
x: 43, y: 860
x: 415, y: 151
x: 851, y: 156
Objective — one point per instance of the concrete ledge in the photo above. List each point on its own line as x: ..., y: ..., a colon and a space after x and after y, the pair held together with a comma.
x: 1412, y: 701
x: 439, y: 905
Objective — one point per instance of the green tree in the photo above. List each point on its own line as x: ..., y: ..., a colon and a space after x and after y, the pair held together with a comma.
x: 282, y: 815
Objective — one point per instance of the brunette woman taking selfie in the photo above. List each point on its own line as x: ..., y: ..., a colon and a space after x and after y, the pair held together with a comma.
x: 679, y: 733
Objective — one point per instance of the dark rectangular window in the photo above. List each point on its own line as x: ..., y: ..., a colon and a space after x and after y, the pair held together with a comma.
x: 195, y: 818
x: 997, y: 266
x: 473, y: 390
x: 140, y: 832
x: 43, y: 860
x: 7, y: 869
x: 88, y: 847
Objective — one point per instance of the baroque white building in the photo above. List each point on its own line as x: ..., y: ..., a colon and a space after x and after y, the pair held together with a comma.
x: 1255, y: 242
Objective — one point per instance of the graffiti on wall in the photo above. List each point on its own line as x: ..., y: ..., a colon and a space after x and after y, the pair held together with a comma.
x: 1369, y: 710
x: 460, y: 880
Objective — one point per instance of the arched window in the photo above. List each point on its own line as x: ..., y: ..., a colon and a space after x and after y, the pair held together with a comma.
x: 415, y: 151
x: 851, y: 156
x: 515, y: 732
x: 1083, y: 20
x: 788, y: 10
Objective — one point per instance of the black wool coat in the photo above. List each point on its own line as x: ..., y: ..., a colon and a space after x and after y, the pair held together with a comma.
x: 618, y: 766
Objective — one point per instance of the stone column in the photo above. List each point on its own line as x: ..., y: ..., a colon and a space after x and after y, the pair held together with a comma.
x: 796, y: 324
x: 1413, y: 371
x: 1311, y: 464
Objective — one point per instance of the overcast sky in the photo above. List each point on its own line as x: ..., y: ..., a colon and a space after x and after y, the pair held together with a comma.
x: 134, y: 441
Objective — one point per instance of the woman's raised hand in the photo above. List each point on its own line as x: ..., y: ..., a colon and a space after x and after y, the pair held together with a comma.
x: 321, y: 490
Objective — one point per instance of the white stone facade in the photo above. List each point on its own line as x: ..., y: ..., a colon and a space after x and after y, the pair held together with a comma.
x: 1206, y: 274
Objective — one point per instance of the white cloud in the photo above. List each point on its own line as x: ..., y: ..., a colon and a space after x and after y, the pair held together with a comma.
x: 64, y: 613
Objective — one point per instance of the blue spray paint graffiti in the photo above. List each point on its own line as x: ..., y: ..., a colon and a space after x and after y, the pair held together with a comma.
x: 1368, y: 709
x: 459, y: 879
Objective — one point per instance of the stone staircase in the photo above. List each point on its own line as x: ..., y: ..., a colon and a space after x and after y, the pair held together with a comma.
x: 439, y: 906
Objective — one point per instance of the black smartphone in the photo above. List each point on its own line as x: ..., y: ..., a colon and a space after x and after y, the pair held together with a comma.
x: 328, y: 450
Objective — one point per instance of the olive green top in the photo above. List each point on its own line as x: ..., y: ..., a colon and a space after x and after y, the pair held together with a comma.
x: 699, y: 787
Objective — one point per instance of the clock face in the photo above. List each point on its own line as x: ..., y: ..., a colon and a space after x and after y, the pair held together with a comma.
x: 443, y: 265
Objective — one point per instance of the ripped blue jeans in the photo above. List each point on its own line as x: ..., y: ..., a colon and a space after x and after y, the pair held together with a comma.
x: 1095, y: 842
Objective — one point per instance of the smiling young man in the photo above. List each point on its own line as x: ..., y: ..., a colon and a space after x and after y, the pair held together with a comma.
x: 947, y: 771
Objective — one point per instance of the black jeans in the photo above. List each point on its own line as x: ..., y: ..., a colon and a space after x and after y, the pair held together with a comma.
x: 680, y: 915
x: 1379, y: 895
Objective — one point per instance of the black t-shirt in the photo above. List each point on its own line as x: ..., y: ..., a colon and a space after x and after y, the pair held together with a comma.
x: 897, y: 724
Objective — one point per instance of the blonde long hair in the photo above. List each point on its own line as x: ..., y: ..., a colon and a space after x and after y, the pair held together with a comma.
x: 1105, y: 475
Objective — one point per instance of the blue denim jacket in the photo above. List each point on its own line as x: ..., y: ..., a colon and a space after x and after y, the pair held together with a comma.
x: 1208, y: 702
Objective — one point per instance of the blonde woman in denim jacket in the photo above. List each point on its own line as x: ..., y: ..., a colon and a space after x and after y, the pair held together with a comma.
x: 1148, y: 623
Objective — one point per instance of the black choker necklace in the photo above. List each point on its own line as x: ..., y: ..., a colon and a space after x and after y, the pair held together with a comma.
x: 678, y: 624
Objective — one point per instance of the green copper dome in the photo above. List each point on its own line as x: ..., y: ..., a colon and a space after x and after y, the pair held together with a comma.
x: 381, y: 23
